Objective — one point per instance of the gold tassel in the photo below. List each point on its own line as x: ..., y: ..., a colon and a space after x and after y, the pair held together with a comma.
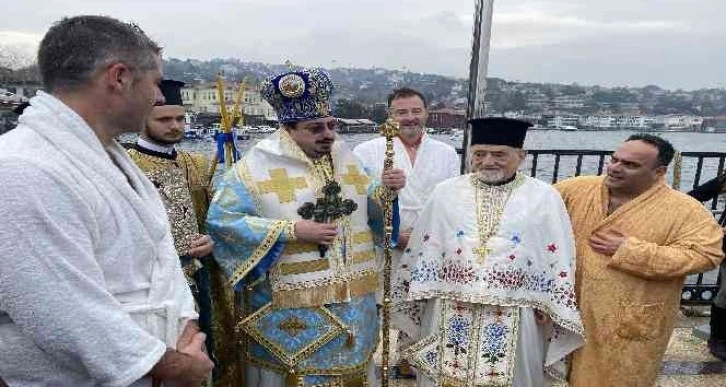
x: 293, y: 380
x: 350, y: 341
x: 326, y: 294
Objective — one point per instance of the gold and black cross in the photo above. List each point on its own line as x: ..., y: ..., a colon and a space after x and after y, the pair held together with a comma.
x: 328, y: 208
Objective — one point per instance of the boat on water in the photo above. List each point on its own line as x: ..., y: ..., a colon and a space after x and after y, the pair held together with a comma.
x: 259, y: 129
x: 457, y: 135
x: 241, y: 133
x: 192, y: 133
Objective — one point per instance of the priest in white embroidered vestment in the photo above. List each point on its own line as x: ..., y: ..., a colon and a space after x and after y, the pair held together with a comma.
x: 485, y: 289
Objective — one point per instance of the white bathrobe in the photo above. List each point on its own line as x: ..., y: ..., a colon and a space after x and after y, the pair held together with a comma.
x: 435, y: 162
x: 91, y: 289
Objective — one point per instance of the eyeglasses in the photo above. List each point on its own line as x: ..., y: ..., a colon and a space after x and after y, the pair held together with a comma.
x: 320, y: 127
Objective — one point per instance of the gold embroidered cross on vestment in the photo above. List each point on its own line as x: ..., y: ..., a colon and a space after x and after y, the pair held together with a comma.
x: 293, y: 326
x: 355, y: 178
x: 282, y: 185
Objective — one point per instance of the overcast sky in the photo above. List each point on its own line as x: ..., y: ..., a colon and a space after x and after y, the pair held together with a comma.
x: 671, y: 43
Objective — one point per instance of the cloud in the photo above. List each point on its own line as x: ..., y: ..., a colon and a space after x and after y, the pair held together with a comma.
x: 533, y: 40
x: 17, y: 49
x: 529, y: 28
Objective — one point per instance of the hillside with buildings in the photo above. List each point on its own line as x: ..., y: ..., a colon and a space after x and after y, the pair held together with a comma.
x: 361, y: 93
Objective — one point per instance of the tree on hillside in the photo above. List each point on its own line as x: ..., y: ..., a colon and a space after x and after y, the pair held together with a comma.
x: 345, y: 108
x: 380, y: 113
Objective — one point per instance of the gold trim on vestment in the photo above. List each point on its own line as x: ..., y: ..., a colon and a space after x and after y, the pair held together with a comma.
x: 242, y: 171
x: 334, y: 371
x: 357, y: 379
x: 290, y: 232
x: 262, y: 249
x: 363, y: 256
x: 300, y: 248
x: 543, y: 306
x: 335, y: 292
x: 321, y: 264
x: 293, y: 268
x: 362, y: 237
x: 490, y: 203
x: 291, y: 360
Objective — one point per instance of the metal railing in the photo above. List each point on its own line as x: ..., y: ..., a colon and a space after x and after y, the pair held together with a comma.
x: 553, y: 165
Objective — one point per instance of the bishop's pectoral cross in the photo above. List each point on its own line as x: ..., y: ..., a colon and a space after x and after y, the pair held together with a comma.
x: 482, y: 253
x: 328, y: 208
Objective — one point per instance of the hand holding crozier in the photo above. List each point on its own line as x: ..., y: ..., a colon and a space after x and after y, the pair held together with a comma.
x: 394, y: 179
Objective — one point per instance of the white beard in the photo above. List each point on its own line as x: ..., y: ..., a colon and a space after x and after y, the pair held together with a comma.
x: 492, y: 177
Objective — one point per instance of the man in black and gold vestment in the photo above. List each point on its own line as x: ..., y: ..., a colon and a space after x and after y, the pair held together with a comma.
x: 183, y: 180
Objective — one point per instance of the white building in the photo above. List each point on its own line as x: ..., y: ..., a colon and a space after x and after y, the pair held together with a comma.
x: 569, y: 102
x: 204, y: 98
x: 632, y: 122
x: 599, y: 122
x: 562, y: 121
x: 679, y: 122
x: 536, y: 101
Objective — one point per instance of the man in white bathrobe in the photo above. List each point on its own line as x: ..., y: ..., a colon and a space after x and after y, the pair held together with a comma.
x: 91, y: 289
x: 425, y: 161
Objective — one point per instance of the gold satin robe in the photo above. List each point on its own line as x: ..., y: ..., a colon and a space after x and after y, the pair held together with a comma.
x: 629, y: 302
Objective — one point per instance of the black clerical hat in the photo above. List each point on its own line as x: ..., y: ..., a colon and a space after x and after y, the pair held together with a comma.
x: 498, y: 131
x: 172, y: 91
x: 19, y: 109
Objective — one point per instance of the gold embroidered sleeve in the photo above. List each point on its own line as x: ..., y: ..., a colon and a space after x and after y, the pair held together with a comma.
x: 289, y: 232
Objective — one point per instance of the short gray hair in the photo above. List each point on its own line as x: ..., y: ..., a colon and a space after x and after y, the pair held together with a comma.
x: 74, y: 48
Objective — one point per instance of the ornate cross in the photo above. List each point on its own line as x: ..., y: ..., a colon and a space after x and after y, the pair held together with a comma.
x: 328, y: 208
x: 355, y: 178
x: 482, y: 252
x: 293, y: 326
x: 282, y: 185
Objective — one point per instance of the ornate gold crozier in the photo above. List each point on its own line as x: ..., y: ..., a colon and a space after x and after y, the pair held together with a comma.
x: 389, y: 129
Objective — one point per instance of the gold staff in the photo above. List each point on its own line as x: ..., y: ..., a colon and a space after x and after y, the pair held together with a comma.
x: 390, y: 130
x: 227, y: 121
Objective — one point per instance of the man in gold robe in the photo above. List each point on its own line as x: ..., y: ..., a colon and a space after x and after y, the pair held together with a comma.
x: 183, y: 182
x: 637, y: 240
